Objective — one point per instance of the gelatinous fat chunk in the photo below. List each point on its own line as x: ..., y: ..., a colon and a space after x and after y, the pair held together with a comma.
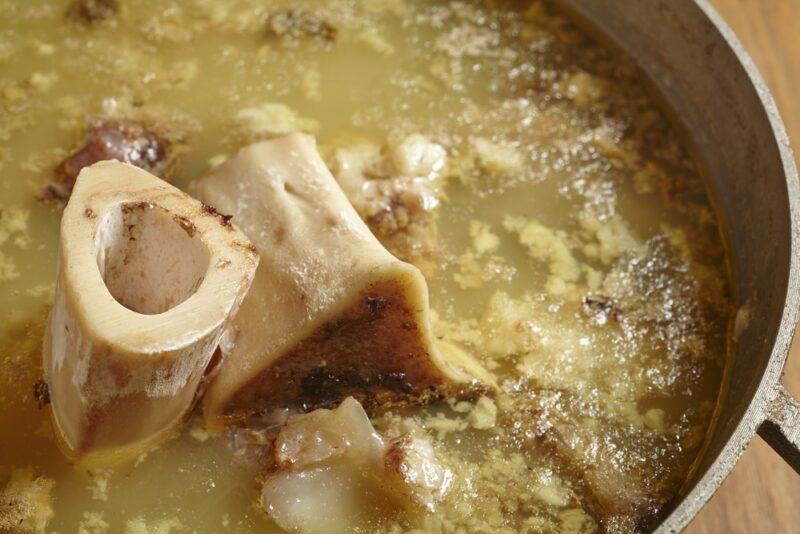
x: 331, y: 312
x: 331, y: 466
x: 148, y: 281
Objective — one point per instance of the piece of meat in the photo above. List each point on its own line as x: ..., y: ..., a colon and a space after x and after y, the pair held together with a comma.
x: 89, y: 11
x: 331, y: 464
x: 331, y: 313
x: 124, y: 140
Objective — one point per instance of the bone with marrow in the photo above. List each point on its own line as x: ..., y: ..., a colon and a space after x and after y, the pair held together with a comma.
x: 148, y: 281
x: 331, y: 313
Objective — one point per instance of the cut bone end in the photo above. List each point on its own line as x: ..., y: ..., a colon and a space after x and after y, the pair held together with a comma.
x: 376, y: 348
x: 148, y: 280
x: 331, y: 312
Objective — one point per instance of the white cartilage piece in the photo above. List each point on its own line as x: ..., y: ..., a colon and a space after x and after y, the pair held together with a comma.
x: 148, y: 281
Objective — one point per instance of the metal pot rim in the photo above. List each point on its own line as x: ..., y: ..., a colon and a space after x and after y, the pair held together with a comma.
x: 770, y: 400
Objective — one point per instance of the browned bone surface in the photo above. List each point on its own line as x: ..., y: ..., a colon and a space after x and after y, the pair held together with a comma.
x: 331, y: 313
x: 330, y: 364
x: 124, y: 140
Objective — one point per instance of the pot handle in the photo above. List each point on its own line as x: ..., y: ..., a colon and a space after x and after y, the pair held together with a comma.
x: 781, y: 427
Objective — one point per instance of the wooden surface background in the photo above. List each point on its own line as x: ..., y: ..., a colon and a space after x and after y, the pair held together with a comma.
x: 762, y: 494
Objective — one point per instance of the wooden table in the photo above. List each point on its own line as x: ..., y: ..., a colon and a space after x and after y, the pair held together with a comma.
x: 762, y: 494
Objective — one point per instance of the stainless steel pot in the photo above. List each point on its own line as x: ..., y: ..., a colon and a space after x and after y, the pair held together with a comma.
x: 701, y: 70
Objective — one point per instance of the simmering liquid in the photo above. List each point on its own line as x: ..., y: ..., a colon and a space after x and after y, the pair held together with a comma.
x: 575, y: 251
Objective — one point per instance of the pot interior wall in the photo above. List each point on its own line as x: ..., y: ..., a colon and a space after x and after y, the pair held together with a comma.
x: 700, y: 77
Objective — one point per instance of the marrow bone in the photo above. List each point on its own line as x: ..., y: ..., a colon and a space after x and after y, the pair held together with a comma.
x: 148, y: 281
x: 331, y: 312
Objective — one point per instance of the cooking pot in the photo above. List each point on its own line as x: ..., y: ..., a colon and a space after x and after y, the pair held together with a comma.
x: 702, y: 72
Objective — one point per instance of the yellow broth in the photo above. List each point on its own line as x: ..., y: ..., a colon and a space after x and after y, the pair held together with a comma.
x: 578, y: 256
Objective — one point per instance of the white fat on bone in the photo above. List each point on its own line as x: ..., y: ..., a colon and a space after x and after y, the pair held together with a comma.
x: 331, y: 313
x: 330, y: 464
x: 148, y: 281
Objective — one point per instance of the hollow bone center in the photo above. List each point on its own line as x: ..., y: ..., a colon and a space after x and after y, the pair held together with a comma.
x: 150, y: 260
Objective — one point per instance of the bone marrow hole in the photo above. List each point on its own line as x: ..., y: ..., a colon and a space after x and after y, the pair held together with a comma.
x: 150, y: 260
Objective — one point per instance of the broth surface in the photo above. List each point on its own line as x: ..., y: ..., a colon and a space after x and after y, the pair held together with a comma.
x: 576, y: 253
